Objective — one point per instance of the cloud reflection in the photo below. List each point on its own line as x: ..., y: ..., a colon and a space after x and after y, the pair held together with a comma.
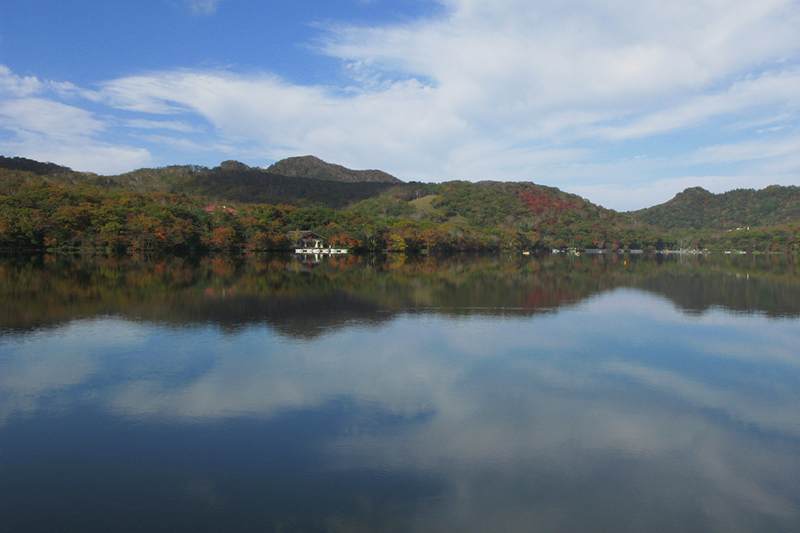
x: 56, y: 363
x: 528, y: 419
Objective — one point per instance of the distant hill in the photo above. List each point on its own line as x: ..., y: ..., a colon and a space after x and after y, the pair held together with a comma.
x: 314, y: 168
x: 697, y: 208
x: 230, y: 182
x: 29, y: 165
x: 233, y: 181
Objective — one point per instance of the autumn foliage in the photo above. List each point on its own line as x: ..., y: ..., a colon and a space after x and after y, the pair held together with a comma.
x: 52, y: 208
x: 539, y: 203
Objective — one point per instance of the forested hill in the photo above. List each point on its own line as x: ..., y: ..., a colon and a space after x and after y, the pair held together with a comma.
x: 232, y: 181
x: 329, y: 185
x: 699, y: 209
x: 43, y: 205
x: 166, y: 208
x: 29, y: 165
x: 312, y: 167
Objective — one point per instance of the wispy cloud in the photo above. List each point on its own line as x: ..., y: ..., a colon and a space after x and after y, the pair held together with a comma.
x: 170, y: 125
x: 769, y: 89
x: 203, y: 7
x: 36, y: 125
x: 749, y: 150
x: 47, y: 117
x: 398, y: 119
x: 79, y: 153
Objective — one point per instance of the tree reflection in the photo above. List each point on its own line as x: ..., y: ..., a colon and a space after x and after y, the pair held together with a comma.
x: 304, y: 297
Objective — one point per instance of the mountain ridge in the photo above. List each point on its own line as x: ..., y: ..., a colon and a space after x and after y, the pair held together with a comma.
x: 309, y: 166
x: 512, y: 213
x: 692, y: 208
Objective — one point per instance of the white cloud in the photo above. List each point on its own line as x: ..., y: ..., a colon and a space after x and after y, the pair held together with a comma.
x: 38, y: 126
x: 50, y: 131
x: 574, y: 52
x: 48, y: 117
x: 78, y: 153
x: 203, y: 7
x: 16, y: 86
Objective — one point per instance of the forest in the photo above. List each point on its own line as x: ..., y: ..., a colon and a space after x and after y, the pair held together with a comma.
x: 44, y: 206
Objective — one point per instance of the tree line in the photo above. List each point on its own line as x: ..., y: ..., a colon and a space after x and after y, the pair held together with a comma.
x: 40, y: 211
x: 43, y: 215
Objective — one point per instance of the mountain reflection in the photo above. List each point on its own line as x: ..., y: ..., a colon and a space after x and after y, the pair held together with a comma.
x: 304, y: 299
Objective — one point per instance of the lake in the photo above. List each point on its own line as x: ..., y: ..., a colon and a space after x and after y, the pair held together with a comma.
x: 606, y: 393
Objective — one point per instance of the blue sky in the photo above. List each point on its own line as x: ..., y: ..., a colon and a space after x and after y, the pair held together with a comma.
x: 623, y: 102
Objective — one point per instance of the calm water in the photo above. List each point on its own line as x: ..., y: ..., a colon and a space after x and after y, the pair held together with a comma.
x: 465, y: 394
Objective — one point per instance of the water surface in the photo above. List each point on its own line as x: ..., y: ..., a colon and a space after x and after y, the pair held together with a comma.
x: 603, y: 393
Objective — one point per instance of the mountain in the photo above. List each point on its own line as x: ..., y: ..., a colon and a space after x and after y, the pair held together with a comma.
x: 314, y: 168
x: 233, y: 181
x: 230, y: 182
x: 236, y: 182
x: 698, y: 209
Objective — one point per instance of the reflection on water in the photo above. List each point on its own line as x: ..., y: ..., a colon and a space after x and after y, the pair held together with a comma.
x: 306, y: 299
x: 464, y: 394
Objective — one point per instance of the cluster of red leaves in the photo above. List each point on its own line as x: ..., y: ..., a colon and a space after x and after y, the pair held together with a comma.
x: 539, y: 203
x: 345, y: 240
